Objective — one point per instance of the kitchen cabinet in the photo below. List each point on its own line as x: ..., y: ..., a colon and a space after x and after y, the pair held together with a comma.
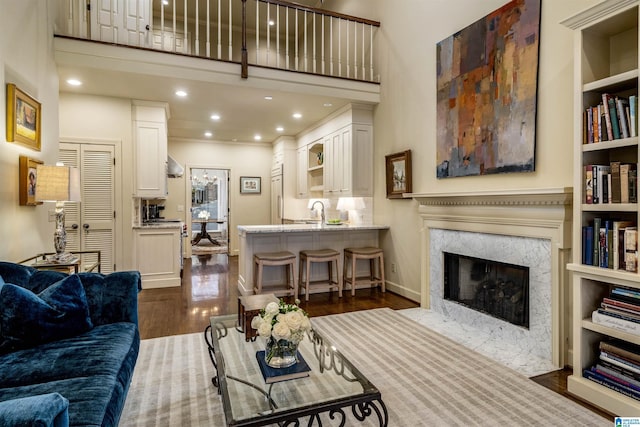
x: 150, y: 149
x: 302, y: 163
x: 283, y: 178
x: 158, y: 255
x: 348, y: 165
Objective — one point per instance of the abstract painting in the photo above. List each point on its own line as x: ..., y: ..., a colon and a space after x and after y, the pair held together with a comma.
x: 487, y: 79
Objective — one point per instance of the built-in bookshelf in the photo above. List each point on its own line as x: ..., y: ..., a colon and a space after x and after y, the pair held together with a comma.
x: 605, y: 203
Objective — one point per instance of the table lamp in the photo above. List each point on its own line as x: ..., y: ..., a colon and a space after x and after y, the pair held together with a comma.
x: 346, y: 204
x: 58, y: 184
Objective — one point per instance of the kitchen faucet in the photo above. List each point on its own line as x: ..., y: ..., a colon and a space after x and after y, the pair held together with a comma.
x: 321, y: 212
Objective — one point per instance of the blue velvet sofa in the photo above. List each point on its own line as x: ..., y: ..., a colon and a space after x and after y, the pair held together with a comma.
x: 68, y: 346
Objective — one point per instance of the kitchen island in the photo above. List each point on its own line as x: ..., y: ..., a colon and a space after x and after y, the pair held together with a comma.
x: 295, y: 238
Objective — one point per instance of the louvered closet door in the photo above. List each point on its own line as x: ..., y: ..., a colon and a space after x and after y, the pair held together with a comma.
x: 90, y: 223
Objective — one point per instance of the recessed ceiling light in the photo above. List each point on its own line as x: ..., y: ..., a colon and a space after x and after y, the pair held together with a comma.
x: 165, y: 2
x: 268, y: 97
x: 181, y: 93
x: 271, y: 23
x: 234, y: 139
x: 257, y: 137
x: 297, y: 115
x: 74, y: 82
x: 327, y: 104
x: 208, y: 134
x: 215, y: 117
x: 280, y: 129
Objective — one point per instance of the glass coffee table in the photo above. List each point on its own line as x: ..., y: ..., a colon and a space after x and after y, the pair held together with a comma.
x: 334, y: 393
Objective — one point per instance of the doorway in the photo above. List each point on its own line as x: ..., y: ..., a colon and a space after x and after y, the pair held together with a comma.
x: 209, y: 211
x: 91, y: 223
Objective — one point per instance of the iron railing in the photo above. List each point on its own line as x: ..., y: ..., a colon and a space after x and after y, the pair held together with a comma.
x: 266, y: 33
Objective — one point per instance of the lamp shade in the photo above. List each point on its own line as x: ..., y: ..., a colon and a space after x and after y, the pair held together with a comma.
x: 350, y: 203
x: 58, y: 184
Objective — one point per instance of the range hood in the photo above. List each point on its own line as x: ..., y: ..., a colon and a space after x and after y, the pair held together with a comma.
x: 174, y: 169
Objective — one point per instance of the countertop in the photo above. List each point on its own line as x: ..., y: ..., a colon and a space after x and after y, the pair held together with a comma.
x: 148, y: 225
x: 300, y: 228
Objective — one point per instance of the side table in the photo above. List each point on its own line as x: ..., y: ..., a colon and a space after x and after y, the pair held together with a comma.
x: 249, y: 306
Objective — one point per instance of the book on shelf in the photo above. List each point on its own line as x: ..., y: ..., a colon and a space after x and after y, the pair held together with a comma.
x: 609, y: 320
x: 621, y: 370
x: 622, y: 349
x: 615, y: 127
x: 274, y: 375
x: 623, y: 107
x: 587, y: 245
x: 633, y: 184
x: 619, y: 228
x: 614, y: 376
x: 596, y: 245
x: 588, y: 184
x: 607, y: 117
x: 631, y: 249
x: 633, y: 113
x: 629, y: 305
x: 613, y: 385
x: 615, y: 182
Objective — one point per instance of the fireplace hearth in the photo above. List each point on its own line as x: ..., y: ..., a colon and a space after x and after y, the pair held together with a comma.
x: 498, y: 289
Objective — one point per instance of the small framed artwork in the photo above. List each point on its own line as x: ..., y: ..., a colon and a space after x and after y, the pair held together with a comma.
x: 250, y: 185
x: 398, y: 167
x: 28, y: 175
x: 23, y: 118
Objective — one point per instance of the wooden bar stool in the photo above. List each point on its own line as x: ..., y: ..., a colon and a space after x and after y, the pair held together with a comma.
x: 285, y: 259
x: 321, y: 255
x: 352, y: 255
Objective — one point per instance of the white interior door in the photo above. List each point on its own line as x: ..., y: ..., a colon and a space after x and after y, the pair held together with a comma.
x: 90, y: 223
x: 120, y: 21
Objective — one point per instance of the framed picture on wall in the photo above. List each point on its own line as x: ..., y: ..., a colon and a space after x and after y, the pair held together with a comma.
x: 28, y: 175
x: 23, y: 118
x: 398, y: 168
x: 250, y: 185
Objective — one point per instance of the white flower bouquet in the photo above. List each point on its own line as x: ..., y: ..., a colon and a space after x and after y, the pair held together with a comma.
x: 203, y: 215
x: 283, y: 326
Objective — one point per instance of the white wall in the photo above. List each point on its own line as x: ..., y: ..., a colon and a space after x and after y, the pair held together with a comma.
x: 243, y: 159
x: 26, y: 59
x: 88, y: 118
x: 406, y: 117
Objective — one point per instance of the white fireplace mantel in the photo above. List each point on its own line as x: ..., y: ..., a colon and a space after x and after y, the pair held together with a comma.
x: 530, y: 213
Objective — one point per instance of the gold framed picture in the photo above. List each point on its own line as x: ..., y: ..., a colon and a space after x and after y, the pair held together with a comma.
x: 398, y: 168
x: 23, y: 118
x: 28, y: 175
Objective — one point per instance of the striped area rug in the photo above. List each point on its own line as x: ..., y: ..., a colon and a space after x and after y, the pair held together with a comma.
x: 425, y: 380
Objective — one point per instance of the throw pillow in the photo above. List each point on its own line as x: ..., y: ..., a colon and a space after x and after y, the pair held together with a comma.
x: 27, y: 319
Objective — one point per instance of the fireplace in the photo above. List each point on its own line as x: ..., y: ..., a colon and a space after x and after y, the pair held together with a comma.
x: 528, y: 228
x: 498, y: 289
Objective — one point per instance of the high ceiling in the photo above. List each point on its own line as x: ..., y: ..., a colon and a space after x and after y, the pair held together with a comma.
x: 243, y: 107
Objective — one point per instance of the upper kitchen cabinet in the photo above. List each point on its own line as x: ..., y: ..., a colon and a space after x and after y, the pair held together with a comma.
x: 150, y: 142
x: 340, y: 154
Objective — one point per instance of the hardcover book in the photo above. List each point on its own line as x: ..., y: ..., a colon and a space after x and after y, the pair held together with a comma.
x: 274, y: 375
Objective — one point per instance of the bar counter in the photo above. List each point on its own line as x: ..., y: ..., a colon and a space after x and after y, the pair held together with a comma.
x: 295, y: 238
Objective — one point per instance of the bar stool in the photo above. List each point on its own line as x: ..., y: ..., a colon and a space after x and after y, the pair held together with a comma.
x: 321, y: 255
x: 367, y: 253
x: 285, y: 259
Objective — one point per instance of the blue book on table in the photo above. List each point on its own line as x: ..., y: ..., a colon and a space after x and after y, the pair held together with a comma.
x: 274, y: 375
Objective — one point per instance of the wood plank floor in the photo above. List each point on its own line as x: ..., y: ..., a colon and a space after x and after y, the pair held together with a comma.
x: 209, y: 288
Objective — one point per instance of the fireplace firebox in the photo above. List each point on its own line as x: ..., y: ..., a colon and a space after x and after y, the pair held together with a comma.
x: 495, y: 288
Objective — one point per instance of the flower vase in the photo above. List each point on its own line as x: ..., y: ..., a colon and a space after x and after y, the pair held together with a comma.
x: 281, y: 353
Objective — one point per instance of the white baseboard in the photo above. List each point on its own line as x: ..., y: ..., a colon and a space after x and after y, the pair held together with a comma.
x: 403, y: 291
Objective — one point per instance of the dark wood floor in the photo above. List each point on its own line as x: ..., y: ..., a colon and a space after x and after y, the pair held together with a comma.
x: 209, y: 288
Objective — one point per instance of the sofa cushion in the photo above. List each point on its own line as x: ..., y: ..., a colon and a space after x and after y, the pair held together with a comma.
x: 28, y: 319
x: 44, y: 410
x: 93, y: 370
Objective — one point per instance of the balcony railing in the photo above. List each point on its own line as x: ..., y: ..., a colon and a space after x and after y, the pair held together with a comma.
x: 266, y: 33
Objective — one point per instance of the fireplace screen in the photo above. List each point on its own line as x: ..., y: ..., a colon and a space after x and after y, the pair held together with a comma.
x: 498, y: 289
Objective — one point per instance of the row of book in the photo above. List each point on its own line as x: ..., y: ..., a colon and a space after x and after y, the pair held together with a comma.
x: 616, y: 182
x: 614, y: 118
x: 617, y: 368
x: 620, y: 310
x: 610, y: 244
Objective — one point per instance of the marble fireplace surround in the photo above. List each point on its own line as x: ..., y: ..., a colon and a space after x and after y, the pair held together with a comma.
x: 526, y: 227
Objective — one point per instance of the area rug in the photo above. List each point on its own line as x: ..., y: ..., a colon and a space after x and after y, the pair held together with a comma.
x: 425, y: 379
